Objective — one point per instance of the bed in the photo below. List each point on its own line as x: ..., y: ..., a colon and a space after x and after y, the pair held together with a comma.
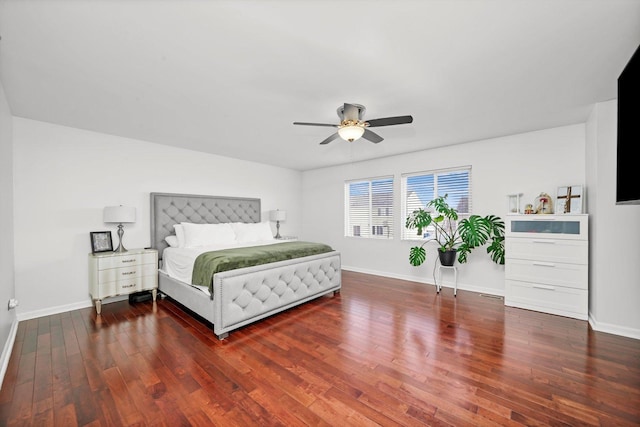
x: 243, y: 295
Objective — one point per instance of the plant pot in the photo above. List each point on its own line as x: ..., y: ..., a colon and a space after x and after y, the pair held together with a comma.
x: 448, y: 257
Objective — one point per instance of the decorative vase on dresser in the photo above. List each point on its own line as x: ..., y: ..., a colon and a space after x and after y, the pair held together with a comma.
x: 122, y: 273
x: 547, y: 264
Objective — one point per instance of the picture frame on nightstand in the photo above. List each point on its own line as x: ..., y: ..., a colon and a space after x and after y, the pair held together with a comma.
x: 101, y: 241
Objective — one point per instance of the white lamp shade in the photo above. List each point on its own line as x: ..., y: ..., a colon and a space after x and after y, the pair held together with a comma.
x: 278, y: 215
x: 350, y: 133
x: 119, y: 214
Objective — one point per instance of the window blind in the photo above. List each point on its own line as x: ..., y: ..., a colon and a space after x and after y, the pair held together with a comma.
x: 369, y: 208
x: 420, y: 188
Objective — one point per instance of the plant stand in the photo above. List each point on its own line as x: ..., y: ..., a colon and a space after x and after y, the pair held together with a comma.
x: 438, y: 282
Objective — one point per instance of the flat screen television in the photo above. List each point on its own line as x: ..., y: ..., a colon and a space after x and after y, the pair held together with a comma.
x: 628, y: 161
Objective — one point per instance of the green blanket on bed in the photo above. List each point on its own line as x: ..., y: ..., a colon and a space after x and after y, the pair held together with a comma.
x: 209, y: 263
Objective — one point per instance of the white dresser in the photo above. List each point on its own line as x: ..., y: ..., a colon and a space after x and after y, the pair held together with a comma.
x: 122, y: 273
x: 547, y: 264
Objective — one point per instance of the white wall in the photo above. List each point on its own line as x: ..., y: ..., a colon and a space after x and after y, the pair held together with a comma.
x: 614, y: 276
x: 64, y: 177
x: 8, y: 322
x: 528, y: 163
x: 62, y: 184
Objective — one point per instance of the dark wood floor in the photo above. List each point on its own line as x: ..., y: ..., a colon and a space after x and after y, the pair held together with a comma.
x: 383, y: 352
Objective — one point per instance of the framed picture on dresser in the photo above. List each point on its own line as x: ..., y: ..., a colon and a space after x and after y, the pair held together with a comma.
x: 569, y: 200
x: 101, y: 241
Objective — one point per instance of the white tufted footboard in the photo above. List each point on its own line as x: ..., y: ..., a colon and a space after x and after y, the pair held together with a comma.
x: 249, y: 294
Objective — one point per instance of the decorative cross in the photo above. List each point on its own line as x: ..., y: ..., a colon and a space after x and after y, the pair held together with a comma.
x: 568, y: 196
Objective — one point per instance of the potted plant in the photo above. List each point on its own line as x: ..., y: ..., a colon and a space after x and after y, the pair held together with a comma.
x: 453, y: 236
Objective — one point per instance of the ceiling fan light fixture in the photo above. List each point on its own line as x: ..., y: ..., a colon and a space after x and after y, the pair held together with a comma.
x: 351, y: 131
x: 353, y: 127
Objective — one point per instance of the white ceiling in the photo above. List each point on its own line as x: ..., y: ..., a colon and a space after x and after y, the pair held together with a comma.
x: 230, y: 77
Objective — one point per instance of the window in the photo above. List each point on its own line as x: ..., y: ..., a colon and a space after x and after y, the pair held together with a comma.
x: 369, y: 208
x: 420, y: 188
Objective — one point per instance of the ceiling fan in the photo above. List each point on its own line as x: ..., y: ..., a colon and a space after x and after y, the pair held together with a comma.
x: 352, y: 126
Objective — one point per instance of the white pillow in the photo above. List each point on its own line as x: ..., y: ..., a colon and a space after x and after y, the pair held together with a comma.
x: 179, y: 234
x: 207, y: 234
x: 252, y: 232
x: 172, y: 241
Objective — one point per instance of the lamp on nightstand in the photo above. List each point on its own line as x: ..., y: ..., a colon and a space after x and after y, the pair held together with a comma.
x: 278, y: 216
x: 120, y: 215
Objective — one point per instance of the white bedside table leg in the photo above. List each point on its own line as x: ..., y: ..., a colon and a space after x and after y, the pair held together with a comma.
x: 98, y: 306
x: 154, y: 294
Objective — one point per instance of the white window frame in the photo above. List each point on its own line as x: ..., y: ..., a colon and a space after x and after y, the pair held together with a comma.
x: 440, y: 188
x: 374, y: 215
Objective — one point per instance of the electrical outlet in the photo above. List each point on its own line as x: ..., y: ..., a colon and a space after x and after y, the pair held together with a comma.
x: 13, y: 303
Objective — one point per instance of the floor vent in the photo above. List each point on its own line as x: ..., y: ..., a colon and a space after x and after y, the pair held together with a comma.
x: 491, y: 296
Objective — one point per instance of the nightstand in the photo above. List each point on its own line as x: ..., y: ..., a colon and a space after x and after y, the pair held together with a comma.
x: 122, y: 273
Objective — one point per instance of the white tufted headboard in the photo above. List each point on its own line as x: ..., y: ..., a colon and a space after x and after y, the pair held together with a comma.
x: 168, y: 209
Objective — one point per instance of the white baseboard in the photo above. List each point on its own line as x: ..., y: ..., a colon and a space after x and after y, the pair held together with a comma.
x: 64, y: 308
x: 8, y: 348
x: 52, y: 310
x: 613, y: 329
x: 429, y: 281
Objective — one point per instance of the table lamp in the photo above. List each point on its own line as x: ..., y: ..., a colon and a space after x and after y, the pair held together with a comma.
x: 278, y: 216
x: 120, y: 215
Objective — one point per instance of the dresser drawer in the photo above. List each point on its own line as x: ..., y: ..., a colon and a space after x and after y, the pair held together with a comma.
x: 549, y: 273
x: 571, y: 227
x: 126, y: 273
x: 556, y: 250
x: 550, y: 299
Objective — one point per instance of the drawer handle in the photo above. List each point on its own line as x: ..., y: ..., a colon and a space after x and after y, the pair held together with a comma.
x: 129, y: 260
x: 552, y: 242
x: 133, y: 285
x: 549, y: 288
x: 544, y: 264
x: 126, y: 273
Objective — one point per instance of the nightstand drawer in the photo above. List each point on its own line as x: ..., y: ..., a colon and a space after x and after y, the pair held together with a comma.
x: 550, y: 299
x: 127, y: 286
x: 126, y: 260
x: 105, y: 290
x: 126, y: 273
x: 549, y: 273
x: 136, y: 284
x: 556, y: 250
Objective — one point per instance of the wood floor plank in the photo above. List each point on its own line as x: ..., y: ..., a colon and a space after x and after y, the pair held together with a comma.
x: 383, y: 352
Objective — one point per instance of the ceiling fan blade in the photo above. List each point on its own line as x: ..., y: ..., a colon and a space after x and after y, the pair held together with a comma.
x: 388, y: 121
x: 350, y: 112
x: 373, y: 137
x: 331, y: 138
x: 315, y: 124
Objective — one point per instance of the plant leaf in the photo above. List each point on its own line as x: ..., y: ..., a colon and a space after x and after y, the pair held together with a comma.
x: 417, y: 255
